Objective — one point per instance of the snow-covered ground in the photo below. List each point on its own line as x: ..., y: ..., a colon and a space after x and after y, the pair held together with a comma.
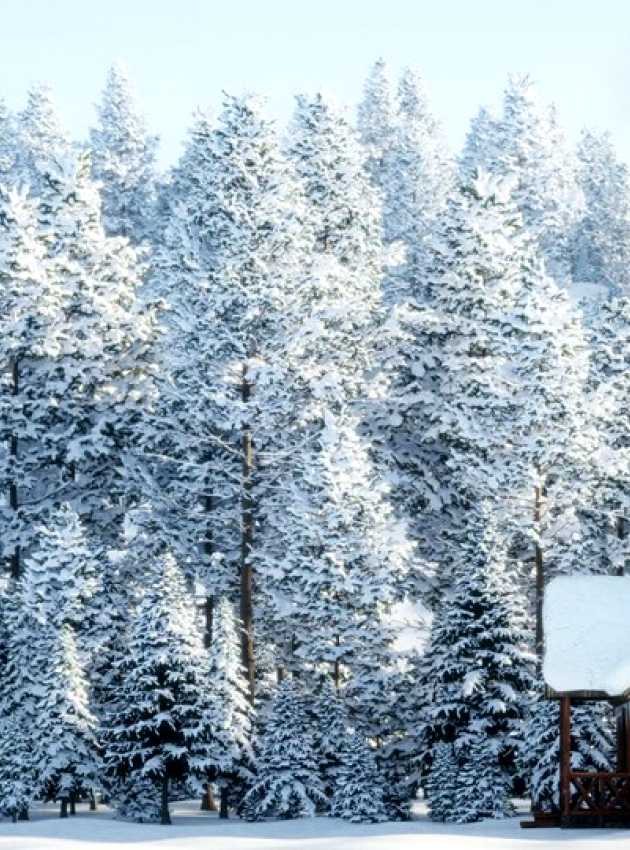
x: 193, y: 830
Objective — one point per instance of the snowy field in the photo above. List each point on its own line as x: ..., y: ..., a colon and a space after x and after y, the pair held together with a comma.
x: 193, y: 830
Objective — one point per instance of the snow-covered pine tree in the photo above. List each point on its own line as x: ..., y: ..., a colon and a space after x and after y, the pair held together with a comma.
x: 17, y: 775
x: 440, y: 788
x: 232, y: 255
x: 334, y: 554
x: 66, y: 764
x: 601, y: 240
x: 18, y: 726
x: 479, y: 149
x: 64, y: 568
x: 42, y: 141
x: 30, y: 307
x: 8, y: 145
x: 55, y: 751
x: 530, y: 145
x: 104, y: 333
x: 232, y: 733
x: 358, y: 794
x: 448, y: 411
x: 376, y: 122
x: 287, y: 782
x: 420, y: 171
x: 609, y: 406
x: 483, y: 787
x: 160, y: 728
x: 478, y: 671
x: 329, y: 726
x: 123, y: 160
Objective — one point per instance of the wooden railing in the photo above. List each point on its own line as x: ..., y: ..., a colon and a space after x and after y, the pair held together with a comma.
x: 604, y: 796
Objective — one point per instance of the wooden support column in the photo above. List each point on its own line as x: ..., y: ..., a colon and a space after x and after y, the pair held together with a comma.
x: 623, y: 738
x: 565, y: 760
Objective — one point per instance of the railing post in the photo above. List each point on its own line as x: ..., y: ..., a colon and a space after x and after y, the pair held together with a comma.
x: 565, y: 760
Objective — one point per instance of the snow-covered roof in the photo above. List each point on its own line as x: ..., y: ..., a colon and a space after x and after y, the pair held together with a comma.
x: 587, y: 635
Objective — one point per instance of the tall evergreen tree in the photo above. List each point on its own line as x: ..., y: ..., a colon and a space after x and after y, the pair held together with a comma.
x: 232, y: 733
x: 43, y: 143
x: 160, y: 727
x: 479, y: 150
x: 55, y: 751
x: 601, y: 241
x: 233, y: 252
x: 29, y: 344
x: 8, y: 145
x: 334, y: 554
x: 376, y: 123
x: 419, y: 169
x: 105, y: 330
x: 478, y: 675
x: 531, y: 146
x: 123, y: 160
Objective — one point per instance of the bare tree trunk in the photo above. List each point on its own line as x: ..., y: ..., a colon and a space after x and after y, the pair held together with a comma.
x: 63, y: 809
x: 16, y: 567
x: 93, y: 804
x: 224, y: 812
x: 208, y: 803
x: 337, y: 668
x: 23, y: 814
x: 73, y: 803
x: 540, y: 579
x: 621, y: 535
x: 165, y: 817
x: 247, y: 539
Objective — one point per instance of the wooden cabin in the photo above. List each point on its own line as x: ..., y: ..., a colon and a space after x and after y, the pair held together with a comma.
x: 587, y: 658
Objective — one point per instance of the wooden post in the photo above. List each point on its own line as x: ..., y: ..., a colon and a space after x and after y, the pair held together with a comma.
x: 247, y: 539
x: 622, y: 716
x: 565, y: 760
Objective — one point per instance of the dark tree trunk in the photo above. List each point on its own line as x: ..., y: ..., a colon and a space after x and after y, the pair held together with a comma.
x: 207, y: 800
x: 621, y: 535
x: 224, y: 812
x: 73, y: 804
x: 63, y: 810
x: 93, y: 804
x: 247, y: 539
x: 540, y: 579
x: 337, y: 668
x: 16, y: 567
x: 209, y: 615
x: 23, y: 814
x: 165, y: 817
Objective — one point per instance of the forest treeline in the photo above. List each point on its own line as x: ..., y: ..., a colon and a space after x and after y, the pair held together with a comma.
x: 253, y: 407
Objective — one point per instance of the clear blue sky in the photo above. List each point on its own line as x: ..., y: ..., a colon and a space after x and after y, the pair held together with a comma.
x: 182, y: 53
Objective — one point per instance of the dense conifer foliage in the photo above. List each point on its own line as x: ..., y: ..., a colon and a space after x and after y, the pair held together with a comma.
x: 253, y: 408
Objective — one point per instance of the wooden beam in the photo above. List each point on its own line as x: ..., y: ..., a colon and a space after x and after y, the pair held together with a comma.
x: 565, y: 759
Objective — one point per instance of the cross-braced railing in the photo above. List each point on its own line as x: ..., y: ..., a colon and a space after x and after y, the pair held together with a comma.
x: 599, y: 795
